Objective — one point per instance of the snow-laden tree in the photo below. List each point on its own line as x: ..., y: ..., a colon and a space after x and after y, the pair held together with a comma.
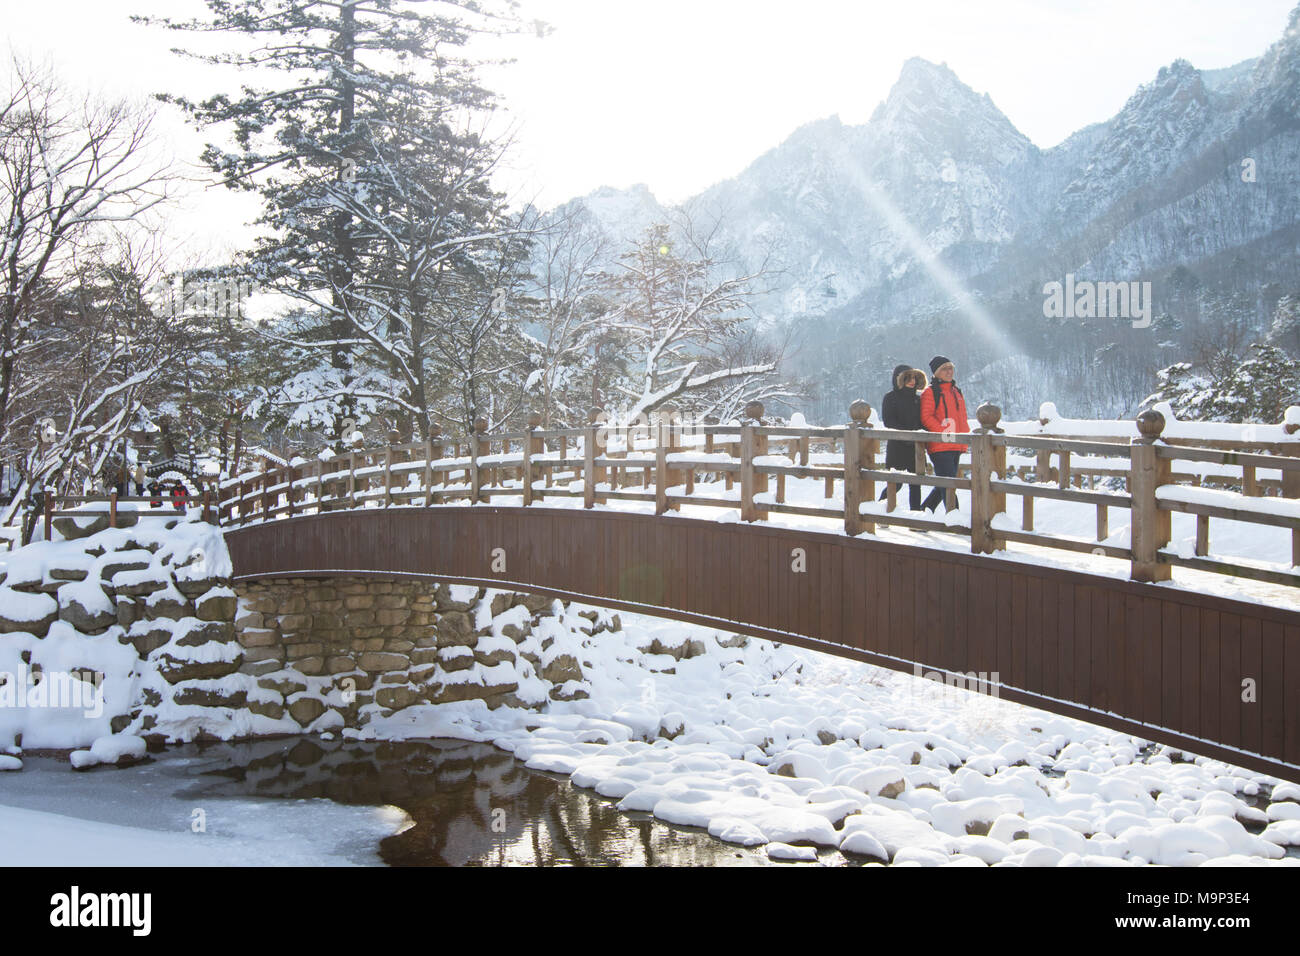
x: 1192, y: 396
x: 370, y: 174
x: 478, y: 349
x: 70, y: 169
x: 1264, y: 385
x: 1257, y: 389
x: 681, y: 320
x: 570, y: 334
x: 102, y: 360
x: 1285, y: 329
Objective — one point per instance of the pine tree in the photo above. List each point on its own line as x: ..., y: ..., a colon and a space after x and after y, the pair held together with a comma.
x: 371, y: 96
x: 1263, y: 387
x: 1190, y: 395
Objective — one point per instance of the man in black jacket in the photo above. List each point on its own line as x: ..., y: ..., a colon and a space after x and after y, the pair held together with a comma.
x: 901, y: 410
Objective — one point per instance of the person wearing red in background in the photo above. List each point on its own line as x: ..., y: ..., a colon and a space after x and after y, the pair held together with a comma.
x: 178, y: 496
x: 155, y: 494
x: 943, y: 409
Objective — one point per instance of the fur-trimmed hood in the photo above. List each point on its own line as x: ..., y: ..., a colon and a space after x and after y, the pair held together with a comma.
x: 902, y: 370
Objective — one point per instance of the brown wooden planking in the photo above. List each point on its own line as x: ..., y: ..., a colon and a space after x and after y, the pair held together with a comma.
x: 1051, y: 638
x: 830, y: 592
x: 1019, y: 632
x: 1273, y: 691
x: 884, y: 639
x: 1003, y: 617
x: 1291, y: 687
x: 1194, y: 638
x: 1230, y: 685
x: 1152, y: 661
x: 1065, y: 652
x: 960, y: 618
x: 1117, y: 660
x: 922, y: 612
x: 1190, y: 656
x: 941, y: 596
x: 1251, y: 659
x: 838, y: 622
x: 1210, y: 680
x: 858, y: 603
x: 984, y: 587
x: 1134, y: 653
x: 820, y: 562
x: 1100, y: 694
x: 1082, y: 683
x: 1034, y: 633
x: 901, y: 607
x: 1171, y: 668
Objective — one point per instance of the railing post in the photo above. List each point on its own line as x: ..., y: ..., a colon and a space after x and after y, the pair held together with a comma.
x: 526, y: 448
x: 49, y: 513
x: 860, y: 412
x: 288, y: 490
x: 475, y: 473
x: 1149, y: 525
x: 1291, y: 479
x: 428, y: 473
x: 388, y: 476
x: 112, y: 508
x: 852, y: 479
x: 919, y: 463
x: 661, y: 470
x: 207, y: 506
x: 986, y: 459
x: 747, y: 512
x: 589, y: 467
x: 755, y: 410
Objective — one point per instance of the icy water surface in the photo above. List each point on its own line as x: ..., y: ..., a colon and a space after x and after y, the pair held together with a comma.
x: 469, y: 804
x: 452, y: 803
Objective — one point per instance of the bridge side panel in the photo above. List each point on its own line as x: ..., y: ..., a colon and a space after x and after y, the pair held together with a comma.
x: 1161, y: 663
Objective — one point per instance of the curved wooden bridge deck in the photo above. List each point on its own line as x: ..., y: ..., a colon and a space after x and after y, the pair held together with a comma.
x: 1160, y: 663
x: 1203, y: 673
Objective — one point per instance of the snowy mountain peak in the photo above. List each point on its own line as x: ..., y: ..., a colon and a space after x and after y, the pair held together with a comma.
x: 930, y: 109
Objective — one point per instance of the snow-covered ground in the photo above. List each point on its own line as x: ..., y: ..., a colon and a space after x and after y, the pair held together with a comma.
x: 765, y: 744
x: 773, y: 745
x: 52, y: 817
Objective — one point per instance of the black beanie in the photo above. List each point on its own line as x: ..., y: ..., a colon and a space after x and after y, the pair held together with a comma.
x: 938, y: 362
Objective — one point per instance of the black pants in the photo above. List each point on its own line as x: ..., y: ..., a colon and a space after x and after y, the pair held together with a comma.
x: 945, y: 466
x: 913, y: 492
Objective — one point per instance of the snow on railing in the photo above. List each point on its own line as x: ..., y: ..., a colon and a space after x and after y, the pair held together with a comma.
x: 833, y: 473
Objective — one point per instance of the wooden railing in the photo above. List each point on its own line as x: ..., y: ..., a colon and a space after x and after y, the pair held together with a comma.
x: 161, y: 506
x: 755, y: 469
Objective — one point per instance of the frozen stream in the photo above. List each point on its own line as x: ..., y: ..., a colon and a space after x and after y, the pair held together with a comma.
x: 306, y: 801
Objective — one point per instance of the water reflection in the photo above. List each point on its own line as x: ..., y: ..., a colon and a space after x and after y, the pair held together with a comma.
x: 471, y: 804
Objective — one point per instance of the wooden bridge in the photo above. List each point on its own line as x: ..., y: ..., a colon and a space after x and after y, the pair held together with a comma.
x: 1201, y: 672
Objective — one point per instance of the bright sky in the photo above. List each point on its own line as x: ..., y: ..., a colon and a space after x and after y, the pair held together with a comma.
x: 679, y: 94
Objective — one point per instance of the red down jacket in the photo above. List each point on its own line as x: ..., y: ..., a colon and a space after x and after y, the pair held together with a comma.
x: 948, y: 414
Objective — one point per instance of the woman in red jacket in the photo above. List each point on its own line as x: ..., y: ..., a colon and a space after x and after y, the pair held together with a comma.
x: 943, y: 409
